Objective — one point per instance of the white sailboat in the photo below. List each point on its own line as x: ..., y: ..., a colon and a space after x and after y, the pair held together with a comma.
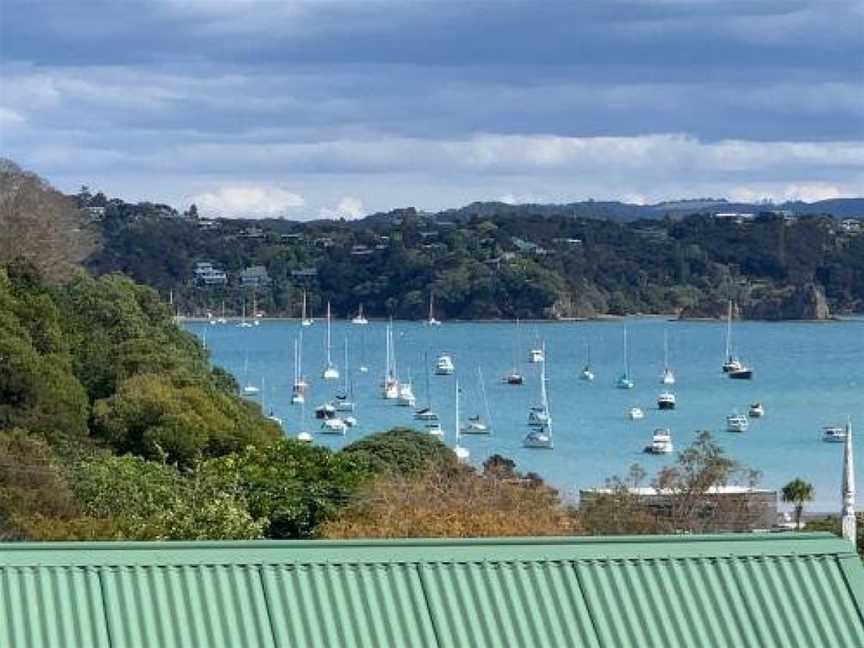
x: 535, y: 354
x: 222, y: 319
x: 668, y: 376
x: 732, y: 366
x: 475, y: 424
x: 304, y: 436
x: 432, y: 321
x: 406, y: 394
x: 461, y: 453
x: 624, y: 380
x: 270, y: 413
x: 514, y: 376
x: 540, y: 432
x: 359, y: 318
x: 390, y: 385
x: 304, y: 320
x: 587, y: 373
x: 243, y: 323
x: 345, y: 398
x: 298, y: 388
x: 330, y: 371
x: 256, y: 316
x: 248, y: 388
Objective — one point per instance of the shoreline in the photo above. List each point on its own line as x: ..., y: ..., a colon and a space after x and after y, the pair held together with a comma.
x: 669, y: 317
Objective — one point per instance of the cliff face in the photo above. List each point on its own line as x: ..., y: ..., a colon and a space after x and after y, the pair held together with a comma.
x: 805, y: 302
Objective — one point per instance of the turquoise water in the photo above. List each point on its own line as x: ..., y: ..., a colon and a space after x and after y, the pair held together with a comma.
x: 806, y: 374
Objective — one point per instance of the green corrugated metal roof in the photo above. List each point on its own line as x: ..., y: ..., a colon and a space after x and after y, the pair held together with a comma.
x: 730, y: 590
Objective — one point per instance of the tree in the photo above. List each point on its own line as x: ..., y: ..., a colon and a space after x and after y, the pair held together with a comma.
x: 403, y: 452
x: 797, y: 492
x: 40, y: 224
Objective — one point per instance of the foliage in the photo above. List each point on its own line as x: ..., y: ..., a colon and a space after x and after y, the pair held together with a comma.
x: 402, y: 451
x: 464, y: 504
x: 294, y: 486
x: 146, y: 500
x: 832, y: 525
x: 797, y: 492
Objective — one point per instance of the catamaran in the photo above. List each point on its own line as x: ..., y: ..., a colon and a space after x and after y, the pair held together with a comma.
x: 540, y: 419
x: 359, y: 318
x: 460, y: 452
x: 432, y: 321
x: 624, y: 380
x: 668, y: 376
x: 476, y: 424
x: 330, y: 371
x: 305, y: 321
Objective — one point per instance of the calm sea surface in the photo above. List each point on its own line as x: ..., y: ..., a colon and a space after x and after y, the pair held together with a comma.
x: 806, y: 374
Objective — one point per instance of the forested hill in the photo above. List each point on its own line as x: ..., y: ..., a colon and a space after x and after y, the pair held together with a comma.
x: 498, y: 261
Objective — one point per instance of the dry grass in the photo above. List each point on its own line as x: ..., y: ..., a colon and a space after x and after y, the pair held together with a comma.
x: 460, y: 505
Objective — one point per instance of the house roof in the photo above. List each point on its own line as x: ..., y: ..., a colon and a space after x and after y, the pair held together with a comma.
x: 731, y: 590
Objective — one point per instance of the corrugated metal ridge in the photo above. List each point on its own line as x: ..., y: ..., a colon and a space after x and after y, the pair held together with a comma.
x: 417, y: 551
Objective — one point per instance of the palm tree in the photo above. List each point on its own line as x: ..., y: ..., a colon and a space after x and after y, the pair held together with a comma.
x: 797, y: 492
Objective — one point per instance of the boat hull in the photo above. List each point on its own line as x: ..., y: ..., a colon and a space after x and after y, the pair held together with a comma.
x: 741, y: 374
x: 665, y: 405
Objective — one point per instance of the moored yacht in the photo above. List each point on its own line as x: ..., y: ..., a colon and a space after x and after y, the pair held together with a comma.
x: 737, y: 423
x: 757, y: 410
x: 461, y: 452
x: 834, y: 434
x: 432, y: 321
x: 624, y: 380
x: 390, y: 385
x: 666, y: 401
x: 444, y: 365
x: 476, y: 424
x: 539, y: 418
x: 304, y: 320
x: 325, y: 411
x: 359, y: 318
x: 661, y: 442
x: 740, y: 372
x: 434, y: 429
x: 330, y: 371
x: 535, y: 355
x: 406, y: 395
x: 334, y: 426
x: 635, y: 413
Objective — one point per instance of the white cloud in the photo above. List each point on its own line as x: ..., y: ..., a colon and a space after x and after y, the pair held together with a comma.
x: 806, y: 191
x: 256, y: 201
x: 348, y: 208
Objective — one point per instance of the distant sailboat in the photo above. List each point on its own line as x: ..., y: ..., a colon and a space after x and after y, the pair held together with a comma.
x: 270, y: 414
x: 587, y: 373
x: 733, y: 367
x: 345, y: 398
x: 248, y: 388
x: 539, y: 418
x: 359, y: 318
x: 624, y: 380
x: 535, y: 354
x: 330, y: 371
x: 298, y: 388
x: 476, y: 424
x: 426, y: 413
x: 390, y: 385
x: 432, y: 321
x: 256, y: 316
x: 243, y: 323
x: 668, y: 376
x: 461, y: 453
x: 222, y: 319
x: 304, y: 320
x: 304, y: 436
x: 514, y: 376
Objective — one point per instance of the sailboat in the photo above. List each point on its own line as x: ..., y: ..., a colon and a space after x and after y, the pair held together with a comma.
x: 270, y: 414
x: 304, y: 436
x: 733, y: 367
x: 391, y: 382
x: 426, y: 413
x: 298, y: 388
x: 587, y: 373
x: 668, y: 376
x: 222, y: 319
x: 305, y: 321
x: 461, y: 453
x: 539, y: 418
x: 432, y: 321
x: 514, y: 377
x: 248, y: 389
x: 476, y: 424
x: 624, y: 380
x: 243, y: 323
x: 359, y: 318
x: 330, y: 371
x: 345, y: 397
x: 256, y: 316
x: 363, y: 367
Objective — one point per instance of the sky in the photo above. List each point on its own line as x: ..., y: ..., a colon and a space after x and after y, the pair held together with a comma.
x: 335, y: 109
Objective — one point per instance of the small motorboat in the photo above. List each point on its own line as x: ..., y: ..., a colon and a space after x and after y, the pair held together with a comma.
x: 434, y: 429
x: 535, y: 355
x: 661, y: 442
x: 425, y: 414
x: 666, y: 401
x: 334, y: 426
x: 737, y: 423
x: 475, y: 425
x: 250, y: 390
x: 587, y: 374
x: 833, y: 434
x: 444, y: 365
x: 304, y: 437
x: 635, y: 413
x: 756, y: 411
x: 514, y: 378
